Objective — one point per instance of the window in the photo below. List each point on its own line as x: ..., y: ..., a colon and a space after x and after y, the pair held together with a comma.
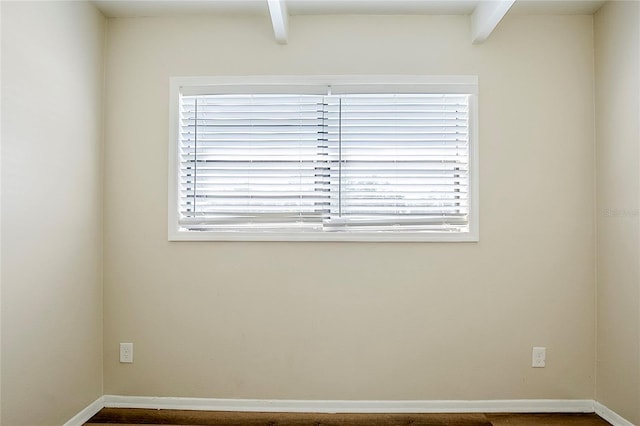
x: 323, y: 158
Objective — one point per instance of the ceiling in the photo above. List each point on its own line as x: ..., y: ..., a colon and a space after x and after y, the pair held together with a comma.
x: 149, y: 8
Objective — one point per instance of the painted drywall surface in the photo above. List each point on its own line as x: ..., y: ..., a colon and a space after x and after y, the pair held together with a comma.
x: 360, y: 320
x: 0, y: 221
x: 617, y: 59
x: 52, y: 79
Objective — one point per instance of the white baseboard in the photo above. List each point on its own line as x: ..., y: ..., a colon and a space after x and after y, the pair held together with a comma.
x: 88, y: 412
x: 336, y: 406
x: 333, y: 406
x: 611, y: 416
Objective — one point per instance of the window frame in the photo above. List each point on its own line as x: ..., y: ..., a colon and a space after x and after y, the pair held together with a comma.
x: 338, y: 84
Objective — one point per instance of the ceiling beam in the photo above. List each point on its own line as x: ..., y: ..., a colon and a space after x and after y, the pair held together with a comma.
x: 486, y: 17
x: 279, y: 20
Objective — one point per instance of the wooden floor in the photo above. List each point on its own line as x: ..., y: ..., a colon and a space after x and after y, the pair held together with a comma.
x: 130, y: 416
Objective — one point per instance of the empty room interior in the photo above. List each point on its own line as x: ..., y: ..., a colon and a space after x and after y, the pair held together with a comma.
x: 481, y: 258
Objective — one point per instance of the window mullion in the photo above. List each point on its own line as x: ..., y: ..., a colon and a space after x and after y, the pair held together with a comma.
x: 195, y: 159
x: 322, y: 168
x: 340, y: 157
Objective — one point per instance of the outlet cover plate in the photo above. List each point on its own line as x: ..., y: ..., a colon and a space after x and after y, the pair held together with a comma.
x: 126, y: 353
x: 539, y: 357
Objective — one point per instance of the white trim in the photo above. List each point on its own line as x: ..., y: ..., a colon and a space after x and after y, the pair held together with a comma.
x: 435, y: 237
x: 474, y: 163
x: 336, y: 406
x: 172, y: 209
x: 88, y: 412
x: 611, y: 416
x: 403, y: 83
x: 341, y: 406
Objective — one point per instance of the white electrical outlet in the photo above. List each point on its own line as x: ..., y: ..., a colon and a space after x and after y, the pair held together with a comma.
x: 126, y: 353
x: 539, y: 357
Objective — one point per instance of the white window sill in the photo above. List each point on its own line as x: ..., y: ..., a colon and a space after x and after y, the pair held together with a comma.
x: 326, y: 237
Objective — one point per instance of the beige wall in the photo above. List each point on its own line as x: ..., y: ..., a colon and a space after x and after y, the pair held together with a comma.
x: 266, y: 320
x: 52, y: 79
x: 360, y: 320
x: 617, y: 53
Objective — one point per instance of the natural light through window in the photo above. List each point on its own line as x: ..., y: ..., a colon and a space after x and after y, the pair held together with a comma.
x: 309, y: 161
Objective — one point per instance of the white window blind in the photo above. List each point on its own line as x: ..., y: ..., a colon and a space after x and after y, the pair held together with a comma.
x: 309, y: 164
x: 253, y: 162
x: 401, y: 162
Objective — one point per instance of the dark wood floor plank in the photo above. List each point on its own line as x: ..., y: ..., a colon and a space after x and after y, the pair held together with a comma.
x: 221, y: 418
x: 572, y: 419
x: 136, y: 416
